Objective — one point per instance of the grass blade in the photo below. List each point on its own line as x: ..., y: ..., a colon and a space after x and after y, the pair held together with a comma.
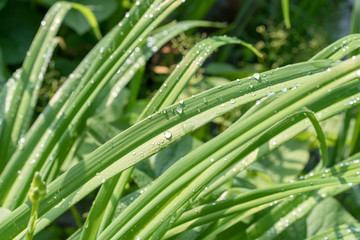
x: 340, y: 48
x: 286, y: 13
x: 121, y: 224
x: 114, y: 152
x: 69, y: 119
x: 345, y: 231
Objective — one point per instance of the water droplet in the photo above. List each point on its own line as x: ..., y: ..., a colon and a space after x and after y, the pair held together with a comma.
x: 167, y: 135
x: 179, y: 110
x: 256, y: 76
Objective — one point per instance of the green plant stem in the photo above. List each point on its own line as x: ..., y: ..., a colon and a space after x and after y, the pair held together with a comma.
x: 37, y: 191
x: 32, y: 221
x: 339, y: 148
x: 76, y: 216
x: 321, y: 137
x: 355, y: 18
x: 355, y: 141
x: 286, y: 13
x: 115, y: 198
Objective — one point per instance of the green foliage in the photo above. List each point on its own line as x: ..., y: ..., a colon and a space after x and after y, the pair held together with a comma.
x: 220, y: 153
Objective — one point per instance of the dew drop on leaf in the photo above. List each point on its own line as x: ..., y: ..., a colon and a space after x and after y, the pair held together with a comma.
x: 167, y: 135
x: 256, y: 76
x: 179, y: 109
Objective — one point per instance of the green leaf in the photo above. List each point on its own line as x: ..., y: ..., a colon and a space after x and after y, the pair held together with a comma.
x: 140, y: 177
x: 285, y: 163
x: 283, y: 215
x: 69, y: 112
x: 286, y: 13
x: 343, y: 231
x: 88, y: 14
x: 355, y: 21
x: 163, y: 160
x: 339, y: 48
x: 102, y: 11
x: 4, y: 72
x: 328, y: 214
x: 4, y: 212
x: 229, y: 71
x: 206, y: 170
